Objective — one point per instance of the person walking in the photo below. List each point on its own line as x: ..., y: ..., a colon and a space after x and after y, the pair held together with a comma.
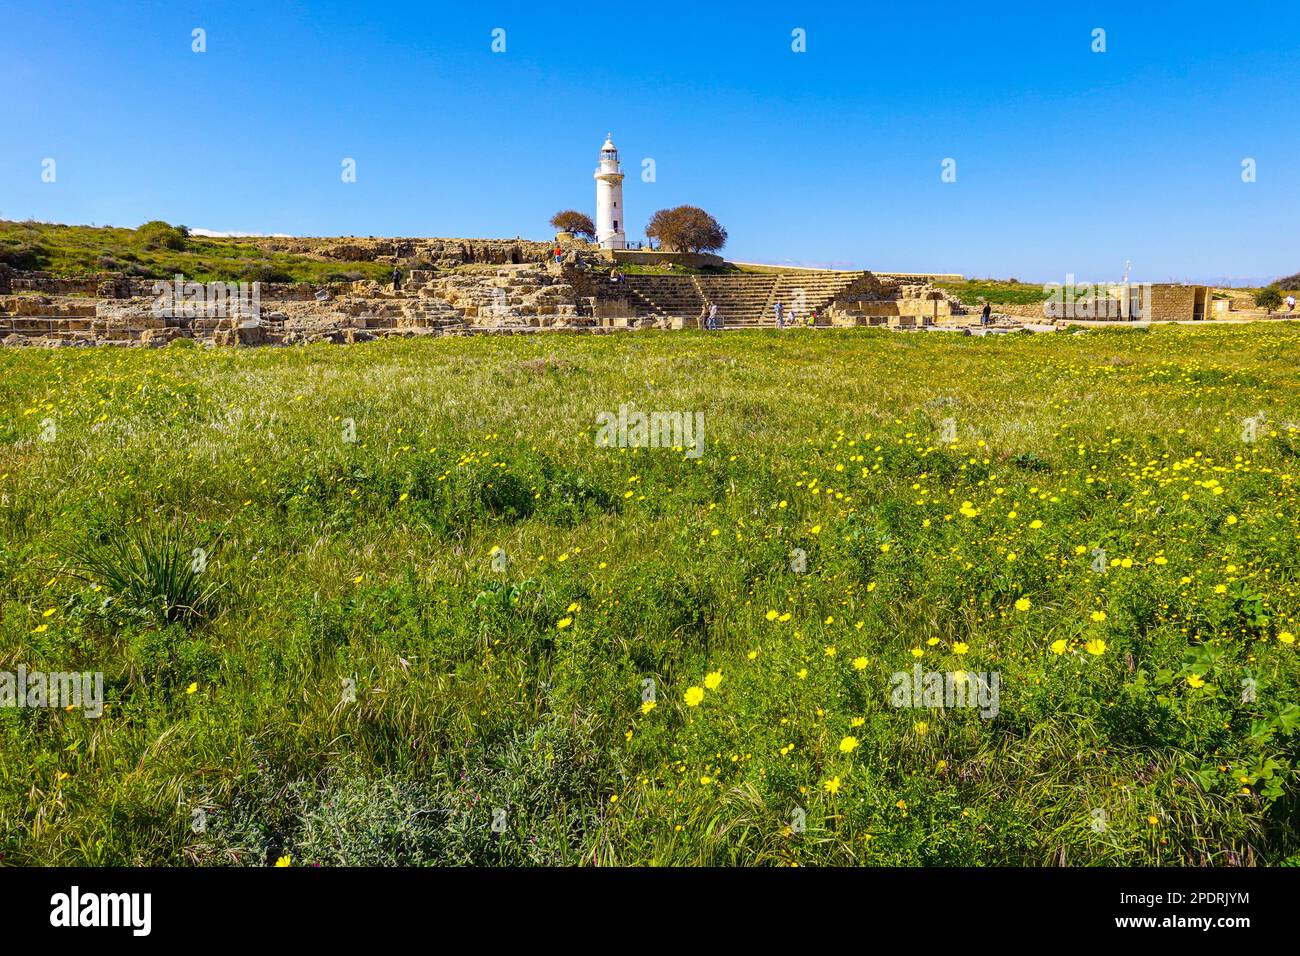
x: 985, y: 314
x: 1290, y: 303
x: 780, y: 315
x: 713, y: 316
x: 397, y: 279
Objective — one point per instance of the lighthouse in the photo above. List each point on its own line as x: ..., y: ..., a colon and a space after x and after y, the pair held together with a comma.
x: 611, y: 222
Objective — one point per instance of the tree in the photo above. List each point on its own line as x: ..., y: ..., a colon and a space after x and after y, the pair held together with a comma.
x: 1268, y: 298
x: 578, y: 223
x: 686, y: 229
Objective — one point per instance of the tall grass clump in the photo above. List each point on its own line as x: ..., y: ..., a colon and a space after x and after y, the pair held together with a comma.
x: 149, y: 574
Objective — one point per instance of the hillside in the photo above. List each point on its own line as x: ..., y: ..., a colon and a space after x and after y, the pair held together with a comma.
x: 81, y: 250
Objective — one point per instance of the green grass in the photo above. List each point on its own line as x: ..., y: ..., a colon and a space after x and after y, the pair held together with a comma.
x: 995, y: 292
x: 348, y: 501
x: 647, y: 269
x: 83, y: 250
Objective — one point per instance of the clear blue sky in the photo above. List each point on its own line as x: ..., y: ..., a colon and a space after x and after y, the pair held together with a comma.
x: 1067, y: 160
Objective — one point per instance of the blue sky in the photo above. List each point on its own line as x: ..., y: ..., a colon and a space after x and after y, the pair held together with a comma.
x: 1067, y: 161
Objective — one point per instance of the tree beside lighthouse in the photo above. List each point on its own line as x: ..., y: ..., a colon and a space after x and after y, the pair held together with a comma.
x: 611, y: 220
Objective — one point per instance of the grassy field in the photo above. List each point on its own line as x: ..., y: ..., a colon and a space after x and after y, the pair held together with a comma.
x: 285, y: 564
x: 995, y: 292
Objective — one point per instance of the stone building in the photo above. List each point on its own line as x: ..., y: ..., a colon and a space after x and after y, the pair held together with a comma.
x: 1130, y: 302
x: 1176, y: 303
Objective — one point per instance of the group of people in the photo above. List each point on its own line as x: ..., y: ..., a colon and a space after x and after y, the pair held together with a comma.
x: 784, y: 318
x: 711, y: 318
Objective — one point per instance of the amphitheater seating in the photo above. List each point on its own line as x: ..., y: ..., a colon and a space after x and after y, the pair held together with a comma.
x: 744, y: 300
x: 662, y: 296
x: 810, y: 291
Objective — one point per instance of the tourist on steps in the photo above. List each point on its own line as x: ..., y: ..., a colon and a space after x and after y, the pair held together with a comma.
x: 713, y: 316
x: 780, y: 316
x: 397, y: 279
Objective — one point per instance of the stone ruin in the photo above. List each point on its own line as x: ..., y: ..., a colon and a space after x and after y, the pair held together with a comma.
x: 469, y: 287
x: 898, y: 304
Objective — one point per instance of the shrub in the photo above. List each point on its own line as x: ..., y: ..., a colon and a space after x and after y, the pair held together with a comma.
x: 170, y: 656
x: 264, y: 272
x: 23, y: 255
x: 157, y: 234
x: 1268, y: 298
x: 540, y: 783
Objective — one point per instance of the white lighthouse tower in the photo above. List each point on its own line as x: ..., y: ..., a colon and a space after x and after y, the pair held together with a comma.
x: 611, y: 221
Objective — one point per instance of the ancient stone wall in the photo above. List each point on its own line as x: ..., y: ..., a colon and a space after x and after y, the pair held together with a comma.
x: 440, y: 253
x: 122, y: 287
x: 46, y: 284
x: 1171, y: 303
x: 922, y: 278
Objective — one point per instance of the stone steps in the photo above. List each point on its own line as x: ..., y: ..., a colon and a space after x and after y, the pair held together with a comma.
x: 802, y: 293
x: 743, y: 301
x: 740, y: 299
